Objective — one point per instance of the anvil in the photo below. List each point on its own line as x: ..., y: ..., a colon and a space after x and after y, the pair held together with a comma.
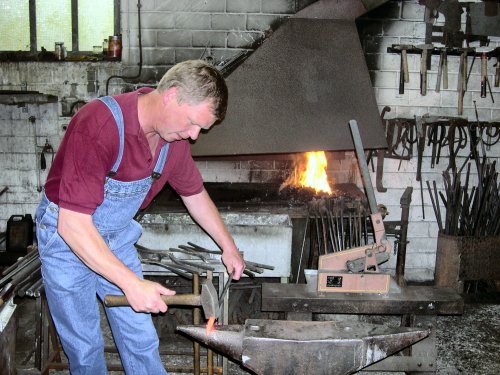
x: 305, y: 347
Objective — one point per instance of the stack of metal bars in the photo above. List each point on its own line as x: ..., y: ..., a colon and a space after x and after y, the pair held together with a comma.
x: 336, y: 224
x: 23, y: 278
x: 470, y: 211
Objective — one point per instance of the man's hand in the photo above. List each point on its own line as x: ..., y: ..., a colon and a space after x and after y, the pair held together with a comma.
x: 234, y: 263
x: 145, y: 296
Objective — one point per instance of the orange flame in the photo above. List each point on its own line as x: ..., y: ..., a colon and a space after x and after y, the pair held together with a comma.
x: 210, y: 325
x: 315, y: 174
x: 311, y: 172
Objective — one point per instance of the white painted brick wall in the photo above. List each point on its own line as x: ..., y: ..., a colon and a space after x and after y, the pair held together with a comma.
x: 410, y: 28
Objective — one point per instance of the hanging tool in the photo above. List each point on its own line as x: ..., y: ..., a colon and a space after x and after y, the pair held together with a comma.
x: 474, y: 140
x: 404, y: 76
x: 497, y: 73
x: 207, y: 299
x: 484, y: 68
x: 47, y: 148
x: 381, y: 155
x: 275, y: 347
x: 437, y: 137
x: 445, y: 68
x: 475, y: 127
x: 424, y: 61
x: 401, y: 138
x: 419, y: 124
x: 462, y: 80
x: 442, y: 56
x: 454, y: 144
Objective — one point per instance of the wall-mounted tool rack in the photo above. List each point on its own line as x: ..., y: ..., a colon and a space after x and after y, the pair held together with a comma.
x: 427, y: 50
x: 451, y: 51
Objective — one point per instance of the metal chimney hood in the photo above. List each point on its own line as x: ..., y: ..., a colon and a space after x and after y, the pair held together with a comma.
x: 298, y: 90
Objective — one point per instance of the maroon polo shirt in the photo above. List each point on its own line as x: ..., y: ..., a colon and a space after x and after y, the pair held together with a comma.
x: 90, y: 148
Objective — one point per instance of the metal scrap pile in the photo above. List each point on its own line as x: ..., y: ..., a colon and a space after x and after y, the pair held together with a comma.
x: 186, y: 260
x: 24, y: 278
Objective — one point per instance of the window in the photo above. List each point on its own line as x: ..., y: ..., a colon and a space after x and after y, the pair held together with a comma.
x: 29, y: 25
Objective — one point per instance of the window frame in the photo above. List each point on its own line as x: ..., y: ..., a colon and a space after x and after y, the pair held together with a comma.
x: 74, y: 29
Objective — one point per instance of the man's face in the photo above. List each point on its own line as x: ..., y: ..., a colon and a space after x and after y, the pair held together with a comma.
x: 186, y: 120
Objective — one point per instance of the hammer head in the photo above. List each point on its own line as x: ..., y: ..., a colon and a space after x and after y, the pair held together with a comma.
x: 209, y: 300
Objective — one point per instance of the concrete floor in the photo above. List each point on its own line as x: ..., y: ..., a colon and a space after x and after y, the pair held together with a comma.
x: 467, y: 344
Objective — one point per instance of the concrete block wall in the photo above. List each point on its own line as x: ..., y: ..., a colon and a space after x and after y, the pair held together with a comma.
x: 173, y: 31
x: 23, y: 133
x: 22, y: 125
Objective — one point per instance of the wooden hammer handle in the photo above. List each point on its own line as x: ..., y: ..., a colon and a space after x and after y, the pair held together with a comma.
x: 180, y: 299
x: 497, y: 73
x: 423, y: 72
x: 404, y: 61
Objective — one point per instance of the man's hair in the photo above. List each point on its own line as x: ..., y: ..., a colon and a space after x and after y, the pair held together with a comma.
x: 197, y: 81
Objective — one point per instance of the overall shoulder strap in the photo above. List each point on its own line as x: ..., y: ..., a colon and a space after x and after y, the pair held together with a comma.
x: 116, y: 111
x: 161, y: 161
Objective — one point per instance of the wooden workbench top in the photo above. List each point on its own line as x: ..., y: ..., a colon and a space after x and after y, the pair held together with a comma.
x: 302, y: 298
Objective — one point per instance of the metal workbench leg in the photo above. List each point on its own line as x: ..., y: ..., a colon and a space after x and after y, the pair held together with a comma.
x: 48, y: 338
x: 210, y: 353
x: 225, y: 313
x: 424, y: 352
x: 196, y: 321
x: 420, y: 358
x: 38, y: 333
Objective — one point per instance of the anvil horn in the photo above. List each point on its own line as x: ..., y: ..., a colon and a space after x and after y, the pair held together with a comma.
x: 227, y: 340
x: 300, y: 348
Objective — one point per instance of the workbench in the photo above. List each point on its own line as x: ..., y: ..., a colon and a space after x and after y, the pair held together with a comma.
x: 418, y: 306
x: 302, y: 298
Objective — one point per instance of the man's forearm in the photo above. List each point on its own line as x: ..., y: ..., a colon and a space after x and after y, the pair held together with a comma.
x: 203, y: 210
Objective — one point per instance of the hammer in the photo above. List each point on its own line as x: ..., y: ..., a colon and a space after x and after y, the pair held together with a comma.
x: 207, y: 299
x: 425, y: 48
x: 484, y: 68
x: 403, y: 74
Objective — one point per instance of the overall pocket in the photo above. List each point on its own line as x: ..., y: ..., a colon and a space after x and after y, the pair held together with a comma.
x: 46, y: 228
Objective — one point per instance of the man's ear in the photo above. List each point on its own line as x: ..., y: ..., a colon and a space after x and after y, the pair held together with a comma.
x: 169, y: 94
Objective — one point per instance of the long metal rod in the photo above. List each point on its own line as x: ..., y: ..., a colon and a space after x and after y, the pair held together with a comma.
x: 358, y: 144
x: 302, y: 250
x: 31, y: 262
x: 21, y: 261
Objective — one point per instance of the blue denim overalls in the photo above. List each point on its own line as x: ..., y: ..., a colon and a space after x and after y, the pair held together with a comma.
x: 71, y: 286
